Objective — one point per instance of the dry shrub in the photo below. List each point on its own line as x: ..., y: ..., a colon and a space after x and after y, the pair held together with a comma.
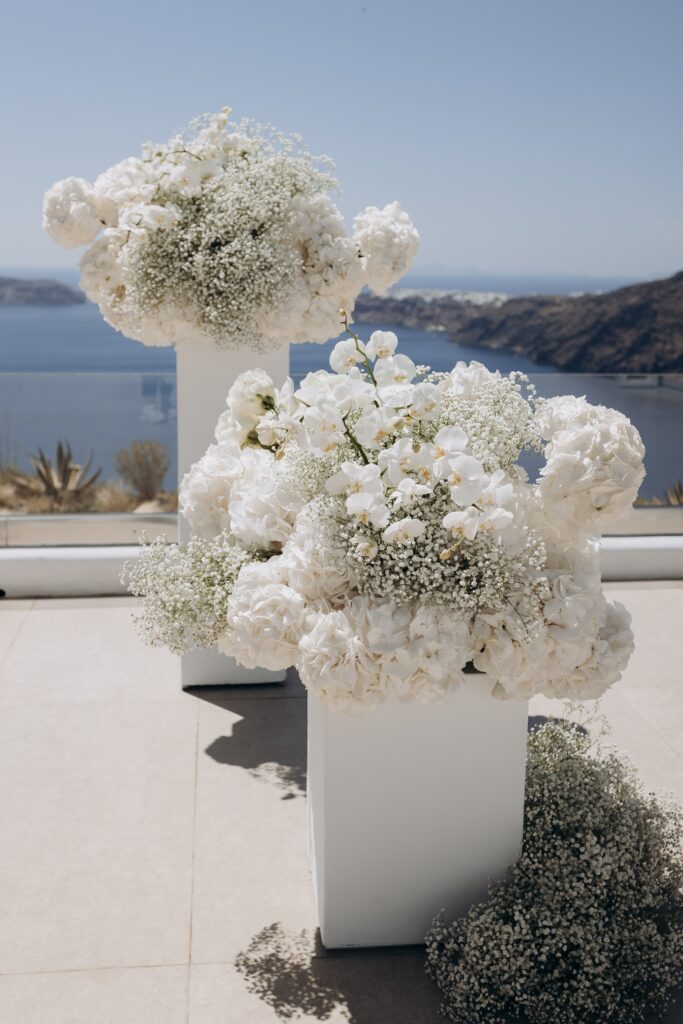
x: 111, y: 498
x: 587, y: 928
x: 142, y: 466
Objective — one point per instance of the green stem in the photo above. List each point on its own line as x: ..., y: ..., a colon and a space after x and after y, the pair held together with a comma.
x: 355, y: 442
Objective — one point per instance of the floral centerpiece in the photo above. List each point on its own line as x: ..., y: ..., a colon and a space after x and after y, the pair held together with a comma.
x: 374, y: 527
x: 226, y: 234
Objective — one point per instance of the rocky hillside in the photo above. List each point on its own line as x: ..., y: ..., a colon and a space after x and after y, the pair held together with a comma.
x: 637, y: 329
x: 16, y: 291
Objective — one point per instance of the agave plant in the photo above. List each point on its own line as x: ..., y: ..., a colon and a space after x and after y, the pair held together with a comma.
x: 62, y: 480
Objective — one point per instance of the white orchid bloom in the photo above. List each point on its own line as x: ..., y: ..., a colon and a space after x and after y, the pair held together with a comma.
x: 394, y: 370
x: 464, y: 523
x: 346, y: 354
x: 396, y: 396
x: 425, y: 401
x: 382, y: 345
x: 367, y: 548
x: 406, y: 456
x: 408, y: 491
x: 374, y: 429
x: 324, y: 426
x: 350, y: 392
x: 368, y: 509
x: 496, y: 519
x: 467, y: 479
x: 448, y: 442
x: 404, y: 531
x: 353, y: 478
x: 315, y: 387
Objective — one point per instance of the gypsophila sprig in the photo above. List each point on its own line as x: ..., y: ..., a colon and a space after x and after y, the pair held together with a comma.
x: 225, y: 234
x: 588, y: 926
x: 401, y: 539
x: 185, y: 590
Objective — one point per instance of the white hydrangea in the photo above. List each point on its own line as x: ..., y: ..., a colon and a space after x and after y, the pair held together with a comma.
x: 229, y: 236
x: 74, y: 213
x: 263, y: 503
x: 204, y: 496
x: 610, y: 654
x: 265, y: 618
x: 580, y: 648
x: 388, y: 241
x: 334, y: 663
x: 594, y: 463
x: 313, y: 561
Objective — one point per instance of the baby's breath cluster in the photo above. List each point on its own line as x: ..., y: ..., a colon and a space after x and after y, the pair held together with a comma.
x: 587, y: 928
x: 227, y: 234
x: 477, y: 575
x: 185, y: 590
x: 399, y: 537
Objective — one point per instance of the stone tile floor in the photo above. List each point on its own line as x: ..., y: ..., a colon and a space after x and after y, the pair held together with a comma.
x: 153, y: 865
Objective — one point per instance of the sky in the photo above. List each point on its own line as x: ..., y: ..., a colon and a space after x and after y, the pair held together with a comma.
x: 521, y: 136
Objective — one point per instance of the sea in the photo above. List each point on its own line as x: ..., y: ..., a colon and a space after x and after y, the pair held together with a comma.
x: 66, y: 375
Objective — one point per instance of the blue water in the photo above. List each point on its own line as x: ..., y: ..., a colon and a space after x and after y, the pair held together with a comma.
x: 65, y: 374
x: 70, y: 339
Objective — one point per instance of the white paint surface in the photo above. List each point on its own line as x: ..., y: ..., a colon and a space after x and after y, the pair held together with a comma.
x: 412, y: 808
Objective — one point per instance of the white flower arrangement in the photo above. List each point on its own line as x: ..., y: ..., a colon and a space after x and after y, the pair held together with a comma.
x: 398, y: 539
x: 226, y: 235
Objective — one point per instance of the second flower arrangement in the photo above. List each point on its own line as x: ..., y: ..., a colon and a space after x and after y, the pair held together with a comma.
x: 373, y: 527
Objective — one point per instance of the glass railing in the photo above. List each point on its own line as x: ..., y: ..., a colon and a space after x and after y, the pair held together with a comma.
x: 122, y: 427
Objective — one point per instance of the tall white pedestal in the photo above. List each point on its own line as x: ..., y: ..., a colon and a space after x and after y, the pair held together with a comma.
x: 412, y: 809
x: 204, y: 375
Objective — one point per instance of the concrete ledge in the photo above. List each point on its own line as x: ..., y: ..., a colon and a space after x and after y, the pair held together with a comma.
x: 95, y: 571
x: 64, y: 571
x: 642, y: 558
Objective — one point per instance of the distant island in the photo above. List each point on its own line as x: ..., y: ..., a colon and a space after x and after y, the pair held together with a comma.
x: 16, y: 291
x: 636, y: 329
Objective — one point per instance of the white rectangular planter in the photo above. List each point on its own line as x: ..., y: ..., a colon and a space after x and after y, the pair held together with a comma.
x: 411, y: 809
x: 204, y: 375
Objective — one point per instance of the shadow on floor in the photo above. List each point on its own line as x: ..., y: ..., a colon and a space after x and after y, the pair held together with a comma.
x: 268, y: 740
x: 284, y: 969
